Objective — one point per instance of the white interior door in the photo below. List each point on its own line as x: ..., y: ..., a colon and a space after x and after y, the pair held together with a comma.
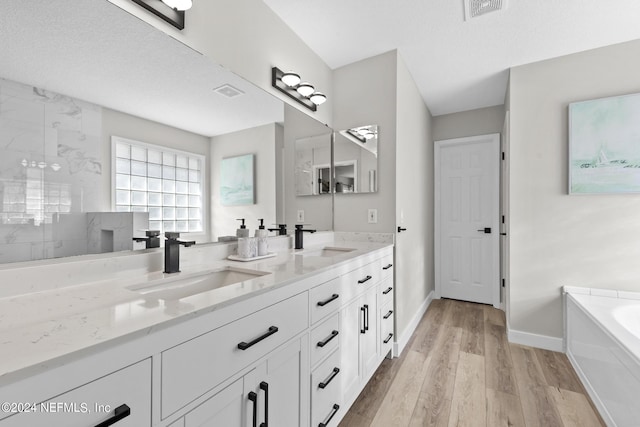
x: 466, y: 219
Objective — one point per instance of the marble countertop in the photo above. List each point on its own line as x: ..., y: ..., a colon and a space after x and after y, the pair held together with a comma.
x: 42, y: 326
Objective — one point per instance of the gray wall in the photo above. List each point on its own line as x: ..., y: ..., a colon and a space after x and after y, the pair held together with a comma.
x: 414, y: 201
x: 357, y: 105
x: 481, y: 121
x: 557, y: 239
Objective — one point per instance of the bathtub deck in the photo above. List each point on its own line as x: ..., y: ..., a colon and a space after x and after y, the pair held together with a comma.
x: 459, y: 370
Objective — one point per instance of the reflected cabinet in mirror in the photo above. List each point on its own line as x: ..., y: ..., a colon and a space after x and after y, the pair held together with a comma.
x: 70, y: 85
x: 356, y: 160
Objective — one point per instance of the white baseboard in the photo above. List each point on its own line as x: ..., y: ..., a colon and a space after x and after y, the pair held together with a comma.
x: 534, y: 340
x: 401, y: 343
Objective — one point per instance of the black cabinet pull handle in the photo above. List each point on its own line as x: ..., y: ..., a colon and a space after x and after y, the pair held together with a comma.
x: 331, y: 377
x: 334, y: 410
x: 122, y: 411
x: 265, y: 386
x: 387, y: 267
x: 389, y: 289
x: 253, y: 397
x: 328, y: 300
x: 366, y: 325
x: 244, y: 345
x: 388, y: 338
x: 401, y: 229
x: 365, y: 279
x: 363, y: 330
x: 386, y: 316
x: 329, y: 338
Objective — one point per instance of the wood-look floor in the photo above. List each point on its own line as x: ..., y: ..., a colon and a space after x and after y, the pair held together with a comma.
x: 460, y: 370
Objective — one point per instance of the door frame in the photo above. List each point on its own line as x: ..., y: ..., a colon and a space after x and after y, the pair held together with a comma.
x: 495, y: 141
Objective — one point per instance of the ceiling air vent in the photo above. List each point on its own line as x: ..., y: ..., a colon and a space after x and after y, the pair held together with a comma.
x: 475, y: 8
x: 228, y: 91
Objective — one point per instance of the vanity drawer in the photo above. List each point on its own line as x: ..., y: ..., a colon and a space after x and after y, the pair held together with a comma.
x: 325, y: 390
x: 192, y: 368
x: 324, y: 300
x: 127, y: 391
x: 357, y: 281
x: 386, y: 292
x: 386, y: 328
x: 386, y: 266
x: 324, y: 338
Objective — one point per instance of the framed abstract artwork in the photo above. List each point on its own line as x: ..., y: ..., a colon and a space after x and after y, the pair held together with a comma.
x: 604, y: 145
x: 236, y: 181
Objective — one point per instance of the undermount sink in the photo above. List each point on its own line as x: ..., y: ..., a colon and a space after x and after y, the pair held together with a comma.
x: 327, y: 251
x: 183, y: 287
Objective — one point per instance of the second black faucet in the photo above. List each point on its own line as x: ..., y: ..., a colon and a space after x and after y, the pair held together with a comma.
x: 298, y: 237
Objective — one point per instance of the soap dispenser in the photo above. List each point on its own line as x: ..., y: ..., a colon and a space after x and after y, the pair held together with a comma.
x: 261, y: 234
x: 243, y: 231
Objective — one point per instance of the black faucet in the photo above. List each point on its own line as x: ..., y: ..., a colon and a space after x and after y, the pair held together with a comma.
x: 172, y: 251
x: 151, y: 241
x: 299, y: 231
x: 282, y: 229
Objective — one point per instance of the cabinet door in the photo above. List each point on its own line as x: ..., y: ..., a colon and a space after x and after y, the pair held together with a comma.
x: 282, y: 388
x: 223, y: 409
x: 350, y: 319
x: 369, y: 339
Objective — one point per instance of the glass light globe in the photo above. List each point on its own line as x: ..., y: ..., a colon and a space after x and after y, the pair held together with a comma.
x: 318, y: 98
x: 305, y: 89
x: 178, y: 4
x: 291, y: 79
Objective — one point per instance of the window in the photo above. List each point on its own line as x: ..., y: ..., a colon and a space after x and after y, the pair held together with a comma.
x: 166, y: 183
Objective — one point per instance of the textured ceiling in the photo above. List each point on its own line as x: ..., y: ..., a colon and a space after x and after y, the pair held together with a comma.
x: 458, y: 65
x: 95, y: 51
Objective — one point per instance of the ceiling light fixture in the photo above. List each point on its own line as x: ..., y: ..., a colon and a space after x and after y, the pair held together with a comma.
x: 179, y: 4
x: 304, y: 93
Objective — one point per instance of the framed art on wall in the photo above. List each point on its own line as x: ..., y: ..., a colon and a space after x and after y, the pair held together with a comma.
x: 604, y: 145
x: 236, y: 181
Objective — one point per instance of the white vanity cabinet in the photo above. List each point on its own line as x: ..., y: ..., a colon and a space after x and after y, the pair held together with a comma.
x: 120, y: 399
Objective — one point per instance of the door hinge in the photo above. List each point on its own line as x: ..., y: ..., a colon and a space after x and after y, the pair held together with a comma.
x: 503, y: 283
x: 503, y: 155
x: 503, y: 219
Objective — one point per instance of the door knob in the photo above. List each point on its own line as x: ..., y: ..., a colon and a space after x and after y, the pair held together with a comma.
x: 486, y: 230
x: 400, y: 229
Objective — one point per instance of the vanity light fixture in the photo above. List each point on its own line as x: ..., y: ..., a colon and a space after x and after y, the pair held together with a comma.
x: 290, y: 84
x: 362, y: 134
x: 171, y: 11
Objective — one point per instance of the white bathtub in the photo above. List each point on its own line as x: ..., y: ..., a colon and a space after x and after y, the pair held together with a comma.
x: 603, y: 344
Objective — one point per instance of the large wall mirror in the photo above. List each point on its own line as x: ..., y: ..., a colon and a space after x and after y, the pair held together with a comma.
x: 73, y: 75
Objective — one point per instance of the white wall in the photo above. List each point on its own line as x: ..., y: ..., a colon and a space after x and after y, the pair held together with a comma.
x: 261, y: 142
x: 557, y: 239
x: 356, y: 104
x: 248, y: 38
x: 414, y: 200
x: 481, y: 121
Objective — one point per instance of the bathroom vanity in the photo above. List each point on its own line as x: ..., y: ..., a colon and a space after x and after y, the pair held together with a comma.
x: 287, y: 341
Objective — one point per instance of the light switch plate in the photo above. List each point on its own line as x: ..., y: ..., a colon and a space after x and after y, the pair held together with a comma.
x: 300, y: 217
x: 372, y: 216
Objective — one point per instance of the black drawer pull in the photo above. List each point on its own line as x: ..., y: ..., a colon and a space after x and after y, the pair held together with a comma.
x: 363, y: 330
x: 388, y: 338
x: 365, y: 279
x: 253, y: 397
x: 366, y: 325
x: 122, y: 411
x: 386, y: 316
x: 325, y: 423
x: 272, y: 330
x: 329, y: 338
x: 387, y: 267
x: 327, y: 301
x: 389, y: 289
x: 331, y: 377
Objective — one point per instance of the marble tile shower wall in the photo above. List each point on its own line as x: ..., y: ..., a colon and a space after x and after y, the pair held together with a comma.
x: 50, y: 167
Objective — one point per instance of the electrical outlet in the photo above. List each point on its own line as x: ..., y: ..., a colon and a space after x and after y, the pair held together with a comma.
x: 300, y: 216
x: 372, y: 216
